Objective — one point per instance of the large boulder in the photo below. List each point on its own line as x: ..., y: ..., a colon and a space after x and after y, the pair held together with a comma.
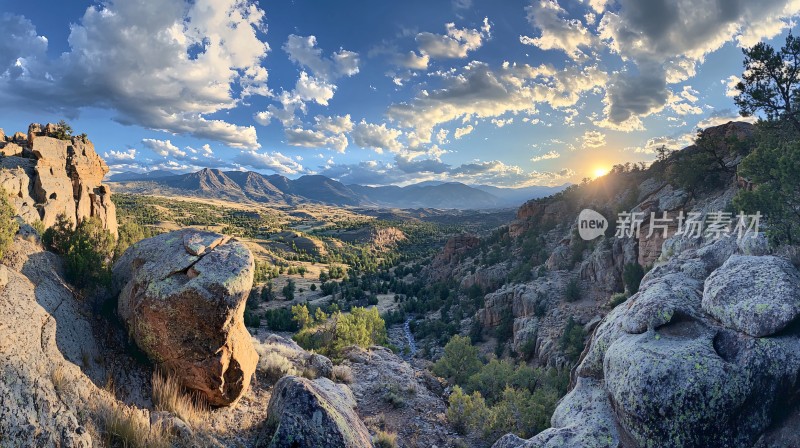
x: 182, y: 299
x: 305, y: 414
x: 758, y: 296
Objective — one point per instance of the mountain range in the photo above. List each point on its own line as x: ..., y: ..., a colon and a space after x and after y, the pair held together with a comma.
x: 280, y: 190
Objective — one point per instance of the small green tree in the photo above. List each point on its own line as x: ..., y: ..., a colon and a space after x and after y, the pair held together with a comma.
x: 770, y: 82
x: 362, y: 327
x: 320, y: 316
x: 63, y: 131
x: 572, y: 293
x: 467, y: 412
x: 772, y: 167
x: 572, y: 340
x: 129, y: 233
x: 8, y: 225
x: 459, y: 362
x: 251, y: 318
x: 301, y: 315
x: 89, y: 252
x: 519, y: 412
x: 492, y: 379
x: 288, y: 290
x: 632, y: 275
x: 56, y: 237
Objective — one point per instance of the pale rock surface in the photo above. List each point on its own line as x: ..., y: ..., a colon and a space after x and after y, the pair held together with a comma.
x: 419, y: 417
x: 11, y: 149
x: 46, y: 394
x: 45, y: 176
x: 759, y: 296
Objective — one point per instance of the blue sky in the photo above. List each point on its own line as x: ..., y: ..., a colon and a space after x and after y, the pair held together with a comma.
x: 510, y: 93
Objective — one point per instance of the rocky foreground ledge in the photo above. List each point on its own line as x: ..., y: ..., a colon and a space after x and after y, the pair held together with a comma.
x: 707, y: 353
x: 182, y: 297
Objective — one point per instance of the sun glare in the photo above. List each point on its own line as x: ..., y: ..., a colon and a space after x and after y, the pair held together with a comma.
x: 600, y: 172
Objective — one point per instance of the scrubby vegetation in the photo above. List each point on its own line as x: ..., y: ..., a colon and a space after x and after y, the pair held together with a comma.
x: 617, y: 299
x: 88, y: 250
x: 275, y: 366
x: 361, y: 326
x: 772, y: 167
x: 572, y: 293
x: 770, y: 85
x: 342, y: 374
x: 572, y: 340
x: 128, y: 427
x: 496, y: 397
x: 384, y: 439
x: 168, y: 395
x: 8, y: 225
x: 129, y: 233
x: 632, y: 275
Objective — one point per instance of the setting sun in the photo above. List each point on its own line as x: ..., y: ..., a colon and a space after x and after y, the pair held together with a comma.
x: 600, y: 171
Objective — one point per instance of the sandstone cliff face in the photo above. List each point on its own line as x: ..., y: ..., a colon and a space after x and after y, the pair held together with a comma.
x: 45, y: 176
x: 443, y: 265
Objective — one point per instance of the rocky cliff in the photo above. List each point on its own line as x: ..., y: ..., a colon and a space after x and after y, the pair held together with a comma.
x: 705, y: 354
x: 47, y: 173
x: 530, y: 285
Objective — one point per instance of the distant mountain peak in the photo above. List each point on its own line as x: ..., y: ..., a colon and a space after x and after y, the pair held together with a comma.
x: 316, y: 188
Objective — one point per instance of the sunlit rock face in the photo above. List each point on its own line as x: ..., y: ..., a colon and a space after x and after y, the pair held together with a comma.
x: 46, y: 176
x: 182, y: 299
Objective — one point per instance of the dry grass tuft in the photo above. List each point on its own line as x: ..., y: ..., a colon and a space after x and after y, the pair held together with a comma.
x: 168, y: 395
x: 275, y: 367
x: 59, y: 379
x: 129, y: 428
x: 342, y: 374
x: 385, y: 439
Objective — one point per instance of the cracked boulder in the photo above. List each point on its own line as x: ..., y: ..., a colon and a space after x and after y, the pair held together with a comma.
x: 182, y: 298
